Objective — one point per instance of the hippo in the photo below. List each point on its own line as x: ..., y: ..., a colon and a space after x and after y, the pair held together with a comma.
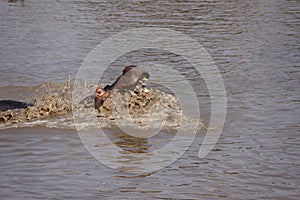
x: 132, y: 78
x: 13, y: 104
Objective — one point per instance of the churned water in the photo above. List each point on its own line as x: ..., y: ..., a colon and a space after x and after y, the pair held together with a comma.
x: 255, y: 45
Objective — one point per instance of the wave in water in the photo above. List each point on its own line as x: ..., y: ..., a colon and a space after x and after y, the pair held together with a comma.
x: 52, y: 107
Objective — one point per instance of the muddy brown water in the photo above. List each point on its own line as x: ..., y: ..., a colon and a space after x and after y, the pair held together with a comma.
x: 255, y: 45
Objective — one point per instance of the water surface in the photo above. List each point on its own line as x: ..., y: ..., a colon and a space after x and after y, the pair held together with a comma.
x: 256, y: 48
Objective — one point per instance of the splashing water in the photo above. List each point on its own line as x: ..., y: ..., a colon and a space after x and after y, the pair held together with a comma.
x: 53, y: 108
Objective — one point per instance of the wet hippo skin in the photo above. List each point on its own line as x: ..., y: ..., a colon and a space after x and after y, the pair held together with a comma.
x: 133, y: 78
x: 12, y: 104
x: 129, y: 79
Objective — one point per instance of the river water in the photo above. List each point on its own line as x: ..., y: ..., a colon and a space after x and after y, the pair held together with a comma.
x: 254, y: 44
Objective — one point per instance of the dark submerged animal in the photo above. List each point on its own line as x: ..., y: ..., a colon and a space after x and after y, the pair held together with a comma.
x: 12, y: 104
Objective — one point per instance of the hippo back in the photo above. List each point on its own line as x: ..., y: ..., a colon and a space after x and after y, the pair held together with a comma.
x: 131, y: 79
x: 12, y: 104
